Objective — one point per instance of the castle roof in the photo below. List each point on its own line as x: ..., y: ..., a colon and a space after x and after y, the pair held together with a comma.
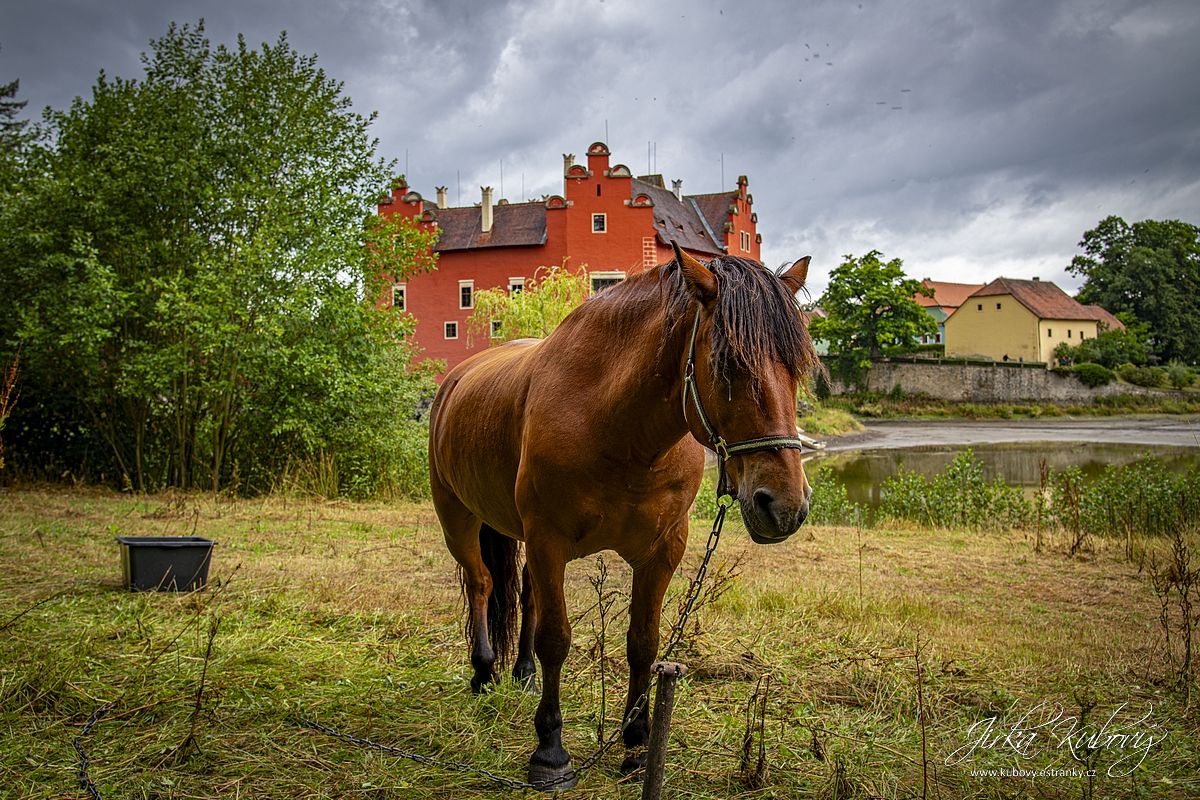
x: 513, y: 225
x: 679, y: 221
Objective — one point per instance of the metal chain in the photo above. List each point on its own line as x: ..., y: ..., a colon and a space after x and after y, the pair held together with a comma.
x: 714, y: 537
x: 85, y: 781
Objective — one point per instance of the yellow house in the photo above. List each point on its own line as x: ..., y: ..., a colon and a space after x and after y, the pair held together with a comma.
x: 1021, y: 321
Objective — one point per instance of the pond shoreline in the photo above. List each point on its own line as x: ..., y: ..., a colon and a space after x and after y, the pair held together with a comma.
x: 1179, y: 431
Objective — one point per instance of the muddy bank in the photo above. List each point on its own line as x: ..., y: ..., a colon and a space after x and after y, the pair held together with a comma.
x: 1178, y: 431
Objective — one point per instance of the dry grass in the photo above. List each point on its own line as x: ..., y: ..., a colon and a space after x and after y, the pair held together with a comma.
x: 348, y: 614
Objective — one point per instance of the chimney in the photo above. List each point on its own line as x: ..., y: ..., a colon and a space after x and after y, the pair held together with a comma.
x: 441, y: 194
x: 677, y: 188
x: 486, y: 209
x: 1036, y: 278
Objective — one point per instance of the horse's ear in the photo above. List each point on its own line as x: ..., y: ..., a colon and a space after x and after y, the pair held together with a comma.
x: 697, y: 276
x: 796, y: 274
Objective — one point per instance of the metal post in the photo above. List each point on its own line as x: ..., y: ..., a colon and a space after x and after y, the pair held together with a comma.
x: 660, y: 727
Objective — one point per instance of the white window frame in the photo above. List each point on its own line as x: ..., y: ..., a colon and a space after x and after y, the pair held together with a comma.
x: 604, y: 276
x: 745, y: 242
x: 495, y: 329
x: 516, y: 285
x: 603, y: 223
x: 400, y: 290
x: 446, y: 329
x: 466, y: 285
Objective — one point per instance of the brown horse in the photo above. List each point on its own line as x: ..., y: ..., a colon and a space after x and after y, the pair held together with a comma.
x: 580, y: 443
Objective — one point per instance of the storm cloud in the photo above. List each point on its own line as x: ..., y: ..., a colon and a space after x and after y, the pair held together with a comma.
x: 970, y: 140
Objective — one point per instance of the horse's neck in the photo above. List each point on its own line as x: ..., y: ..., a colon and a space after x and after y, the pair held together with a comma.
x: 643, y: 387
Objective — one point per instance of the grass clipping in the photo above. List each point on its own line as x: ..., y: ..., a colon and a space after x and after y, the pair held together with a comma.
x: 845, y: 664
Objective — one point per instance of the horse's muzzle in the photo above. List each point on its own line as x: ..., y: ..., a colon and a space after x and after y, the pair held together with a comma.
x: 770, y: 519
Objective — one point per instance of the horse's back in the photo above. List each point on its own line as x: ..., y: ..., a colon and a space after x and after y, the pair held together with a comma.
x: 475, y: 432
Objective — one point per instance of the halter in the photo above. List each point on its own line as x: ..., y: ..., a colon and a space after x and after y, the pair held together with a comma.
x: 724, y: 450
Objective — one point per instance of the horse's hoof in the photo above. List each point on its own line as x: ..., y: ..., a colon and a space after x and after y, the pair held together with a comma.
x: 529, y: 685
x: 635, y: 765
x: 483, y: 685
x: 552, y: 779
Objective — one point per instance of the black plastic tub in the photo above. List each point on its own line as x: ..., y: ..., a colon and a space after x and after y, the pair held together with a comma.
x: 165, y: 563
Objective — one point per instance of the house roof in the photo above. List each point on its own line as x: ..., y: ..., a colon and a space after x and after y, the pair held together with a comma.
x: 947, y: 295
x: 679, y: 222
x: 513, y: 225
x: 1105, y: 318
x: 1046, y: 300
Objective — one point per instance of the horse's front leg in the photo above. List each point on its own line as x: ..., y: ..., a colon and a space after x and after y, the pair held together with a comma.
x: 547, y: 565
x: 650, y: 582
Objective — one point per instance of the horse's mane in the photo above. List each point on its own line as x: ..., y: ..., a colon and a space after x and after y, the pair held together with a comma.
x: 756, y: 322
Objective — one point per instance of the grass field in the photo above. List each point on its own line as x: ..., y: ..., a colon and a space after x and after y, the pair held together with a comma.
x: 349, y: 614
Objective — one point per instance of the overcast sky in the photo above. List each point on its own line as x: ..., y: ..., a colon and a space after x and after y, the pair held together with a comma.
x: 972, y: 140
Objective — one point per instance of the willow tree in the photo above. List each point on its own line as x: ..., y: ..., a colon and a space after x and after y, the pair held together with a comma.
x: 186, y: 270
x: 533, y: 311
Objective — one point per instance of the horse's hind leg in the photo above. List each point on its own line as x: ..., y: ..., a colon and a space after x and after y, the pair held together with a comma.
x: 524, y: 671
x: 461, y: 530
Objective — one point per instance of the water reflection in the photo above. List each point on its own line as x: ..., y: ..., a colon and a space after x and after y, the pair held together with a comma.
x: 863, y: 472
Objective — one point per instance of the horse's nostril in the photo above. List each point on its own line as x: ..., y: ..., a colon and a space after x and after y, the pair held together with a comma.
x: 763, y: 499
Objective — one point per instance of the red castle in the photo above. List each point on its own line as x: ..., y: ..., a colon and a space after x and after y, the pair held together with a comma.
x: 606, y: 219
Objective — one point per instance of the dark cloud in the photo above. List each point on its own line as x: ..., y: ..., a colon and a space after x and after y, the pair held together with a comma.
x: 971, y: 139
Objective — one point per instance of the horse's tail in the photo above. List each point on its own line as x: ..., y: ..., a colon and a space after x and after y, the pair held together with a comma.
x: 502, y: 556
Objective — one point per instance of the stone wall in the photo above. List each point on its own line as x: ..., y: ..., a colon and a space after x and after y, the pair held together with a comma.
x: 978, y: 382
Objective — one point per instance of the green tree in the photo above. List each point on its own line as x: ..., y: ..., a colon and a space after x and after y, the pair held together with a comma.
x: 1111, y: 348
x: 1152, y: 270
x: 186, y: 269
x: 534, y: 311
x: 870, y: 306
x: 14, y: 135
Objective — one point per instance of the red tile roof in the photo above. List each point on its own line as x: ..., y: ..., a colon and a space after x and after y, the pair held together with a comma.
x: 947, y: 295
x: 1046, y: 300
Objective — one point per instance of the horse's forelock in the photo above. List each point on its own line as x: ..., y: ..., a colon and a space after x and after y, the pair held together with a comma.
x: 757, y: 322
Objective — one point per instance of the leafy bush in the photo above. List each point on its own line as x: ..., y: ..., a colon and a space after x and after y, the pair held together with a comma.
x: 1142, y: 499
x: 1093, y: 375
x: 1150, y: 377
x: 958, y: 498
x: 829, y: 504
x: 1180, y: 375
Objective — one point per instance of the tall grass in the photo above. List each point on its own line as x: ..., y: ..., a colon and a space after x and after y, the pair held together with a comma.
x: 1130, y: 503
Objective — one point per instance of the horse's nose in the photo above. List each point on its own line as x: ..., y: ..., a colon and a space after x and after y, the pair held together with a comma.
x: 785, y: 516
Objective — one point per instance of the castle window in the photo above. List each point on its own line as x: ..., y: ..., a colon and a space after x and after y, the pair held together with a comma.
x: 1068, y: 333
x: 603, y: 280
x: 745, y: 241
x: 451, y: 330
x: 516, y: 285
x: 997, y: 306
x: 495, y: 329
x: 399, y: 297
x: 597, y: 190
x: 599, y: 223
x: 1049, y: 332
x: 466, y: 294
x: 979, y: 307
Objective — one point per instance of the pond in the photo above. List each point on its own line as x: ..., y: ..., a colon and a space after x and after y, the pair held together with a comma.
x: 862, y: 472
